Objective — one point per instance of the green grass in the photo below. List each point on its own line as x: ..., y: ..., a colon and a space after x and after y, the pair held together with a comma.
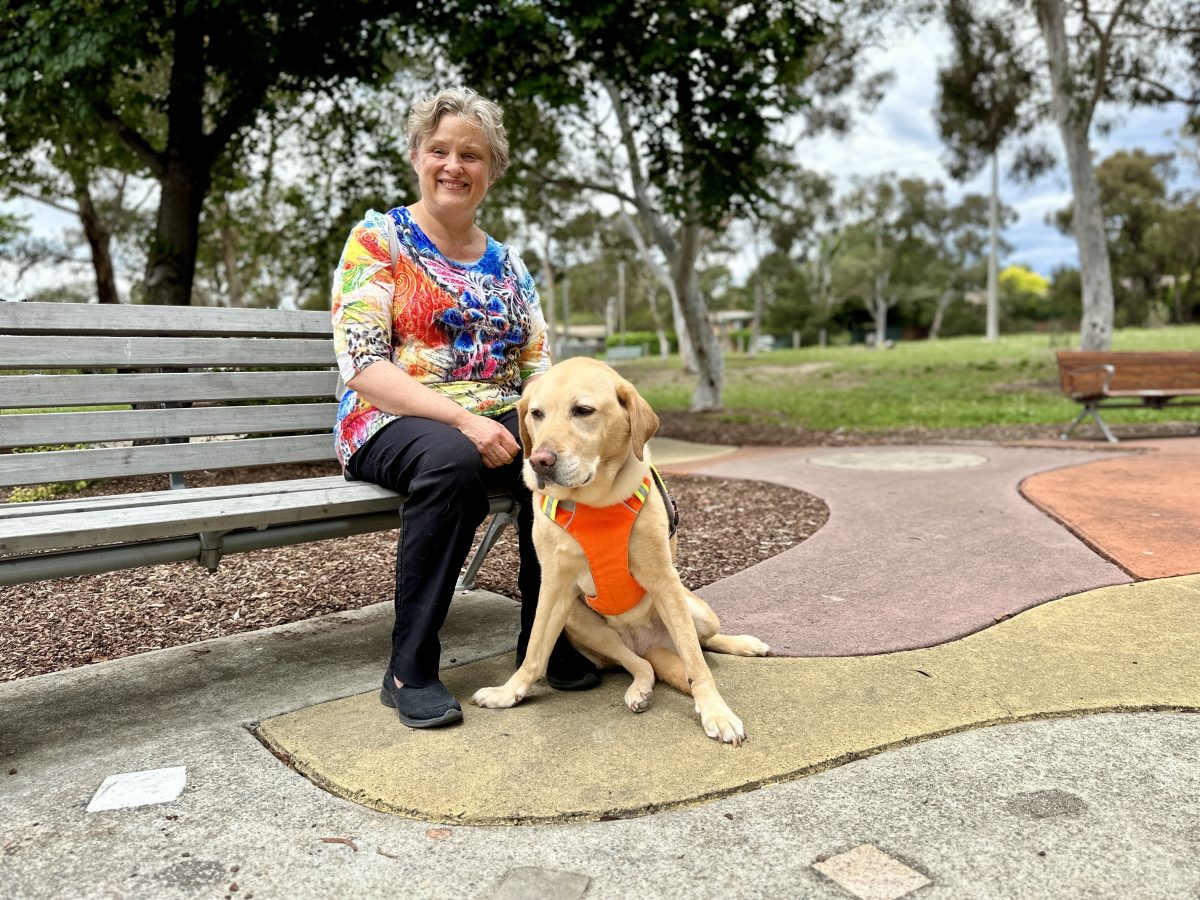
x: 952, y: 383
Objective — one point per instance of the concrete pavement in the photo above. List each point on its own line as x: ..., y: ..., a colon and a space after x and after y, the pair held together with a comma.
x: 1088, y: 805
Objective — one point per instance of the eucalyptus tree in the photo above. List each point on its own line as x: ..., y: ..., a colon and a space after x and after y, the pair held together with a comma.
x: 981, y: 95
x: 1129, y: 53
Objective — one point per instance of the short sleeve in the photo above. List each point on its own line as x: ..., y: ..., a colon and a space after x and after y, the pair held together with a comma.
x: 363, y: 290
x: 535, y: 355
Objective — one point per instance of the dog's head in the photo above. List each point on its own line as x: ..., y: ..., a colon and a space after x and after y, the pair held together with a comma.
x: 580, y: 422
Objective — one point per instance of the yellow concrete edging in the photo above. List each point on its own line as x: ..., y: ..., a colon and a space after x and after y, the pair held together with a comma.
x: 562, y: 757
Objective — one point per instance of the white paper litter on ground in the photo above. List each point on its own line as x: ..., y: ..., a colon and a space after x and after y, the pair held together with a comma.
x: 130, y: 789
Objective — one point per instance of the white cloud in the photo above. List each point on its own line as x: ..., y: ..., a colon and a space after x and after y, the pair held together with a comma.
x: 900, y: 136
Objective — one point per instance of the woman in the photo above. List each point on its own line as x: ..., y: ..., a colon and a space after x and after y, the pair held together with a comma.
x: 437, y: 328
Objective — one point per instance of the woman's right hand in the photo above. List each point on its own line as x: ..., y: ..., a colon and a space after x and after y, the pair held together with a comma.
x: 494, y: 442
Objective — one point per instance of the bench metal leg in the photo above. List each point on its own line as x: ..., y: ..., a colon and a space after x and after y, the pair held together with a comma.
x: 495, y: 528
x: 1091, y: 409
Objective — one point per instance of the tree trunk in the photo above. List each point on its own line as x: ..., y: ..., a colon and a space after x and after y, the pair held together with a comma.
x: 709, y: 361
x: 99, y: 239
x: 1096, y: 325
x: 756, y: 322
x: 547, y: 299
x: 229, y: 260
x: 879, y: 305
x: 935, y: 329
x: 666, y: 278
x: 993, y: 285
x: 664, y: 346
x: 185, y: 174
x: 171, y: 263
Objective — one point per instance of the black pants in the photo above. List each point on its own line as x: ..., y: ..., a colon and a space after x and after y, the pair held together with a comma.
x: 447, y: 486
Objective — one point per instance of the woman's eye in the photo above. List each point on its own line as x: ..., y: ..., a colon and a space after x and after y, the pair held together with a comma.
x: 582, y: 411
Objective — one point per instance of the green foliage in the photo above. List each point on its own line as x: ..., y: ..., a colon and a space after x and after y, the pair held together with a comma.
x: 37, y: 492
x: 984, y: 91
x: 702, y: 86
x: 647, y: 339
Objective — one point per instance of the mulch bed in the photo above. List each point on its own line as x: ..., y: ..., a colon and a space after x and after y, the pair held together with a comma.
x: 726, y: 526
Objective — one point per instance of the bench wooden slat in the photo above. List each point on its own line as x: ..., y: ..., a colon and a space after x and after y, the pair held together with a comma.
x: 1082, y: 372
x: 150, y: 424
x: 73, y: 319
x: 188, y: 516
x: 17, y: 391
x: 119, y: 462
x: 153, y: 352
x: 213, y: 492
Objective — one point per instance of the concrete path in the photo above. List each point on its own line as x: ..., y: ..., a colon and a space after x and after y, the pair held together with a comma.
x: 1090, y: 805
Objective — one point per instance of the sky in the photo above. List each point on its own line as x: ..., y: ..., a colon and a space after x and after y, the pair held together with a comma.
x: 899, y: 136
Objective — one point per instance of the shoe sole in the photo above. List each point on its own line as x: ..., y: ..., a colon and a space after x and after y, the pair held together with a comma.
x: 449, y: 717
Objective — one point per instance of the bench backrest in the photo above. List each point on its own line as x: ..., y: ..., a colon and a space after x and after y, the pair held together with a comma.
x: 136, y: 376
x: 1082, y: 373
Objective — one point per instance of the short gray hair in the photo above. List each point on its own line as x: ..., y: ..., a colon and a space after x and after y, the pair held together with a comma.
x: 427, y: 114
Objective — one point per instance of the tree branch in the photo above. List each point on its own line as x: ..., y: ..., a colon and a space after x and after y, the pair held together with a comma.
x: 658, y: 230
x: 30, y: 195
x: 585, y: 185
x: 132, y: 139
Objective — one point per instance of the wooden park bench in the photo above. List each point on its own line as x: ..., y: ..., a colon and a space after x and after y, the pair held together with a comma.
x: 145, y: 390
x: 1127, y: 379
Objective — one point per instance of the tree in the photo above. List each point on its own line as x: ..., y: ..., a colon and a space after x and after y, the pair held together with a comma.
x: 1127, y: 54
x: 1150, y: 235
x: 691, y: 92
x: 179, y: 83
x: 981, y: 94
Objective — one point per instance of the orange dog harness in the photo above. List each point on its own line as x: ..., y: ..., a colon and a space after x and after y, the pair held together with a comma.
x: 603, y: 533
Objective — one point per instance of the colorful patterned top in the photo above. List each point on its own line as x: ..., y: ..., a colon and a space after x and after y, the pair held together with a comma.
x: 471, y: 331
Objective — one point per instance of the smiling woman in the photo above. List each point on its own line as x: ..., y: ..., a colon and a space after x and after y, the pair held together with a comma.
x: 437, y: 329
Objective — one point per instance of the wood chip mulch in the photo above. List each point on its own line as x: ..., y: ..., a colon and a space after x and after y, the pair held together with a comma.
x: 48, y: 626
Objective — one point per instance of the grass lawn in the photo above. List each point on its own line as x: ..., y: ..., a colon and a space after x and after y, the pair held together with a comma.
x: 951, y: 383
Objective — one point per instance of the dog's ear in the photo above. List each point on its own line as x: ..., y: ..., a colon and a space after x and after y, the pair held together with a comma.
x: 643, y: 421
x: 526, y: 440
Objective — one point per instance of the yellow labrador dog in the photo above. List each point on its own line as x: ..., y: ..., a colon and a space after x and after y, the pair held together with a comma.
x: 584, y: 430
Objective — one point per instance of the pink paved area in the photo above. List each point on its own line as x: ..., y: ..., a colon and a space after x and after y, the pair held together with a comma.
x: 909, y: 558
x: 1142, y: 511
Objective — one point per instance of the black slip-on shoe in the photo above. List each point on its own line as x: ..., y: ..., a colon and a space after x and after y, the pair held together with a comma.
x: 568, y: 671
x: 430, y: 706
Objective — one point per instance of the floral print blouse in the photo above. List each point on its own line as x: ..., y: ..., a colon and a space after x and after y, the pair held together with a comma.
x: 472, y: 331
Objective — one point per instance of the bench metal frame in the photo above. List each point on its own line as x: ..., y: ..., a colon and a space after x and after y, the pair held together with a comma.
x: 172, y: 374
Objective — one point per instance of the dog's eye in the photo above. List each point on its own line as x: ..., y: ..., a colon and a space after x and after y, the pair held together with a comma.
x: 537, y: 414
x: 582, y: 411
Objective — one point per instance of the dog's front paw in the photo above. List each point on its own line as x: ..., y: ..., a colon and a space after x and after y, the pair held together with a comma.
x: 638, y: 697
x: 722, y: 725
x: 497, y: 697
x: 755, y: 647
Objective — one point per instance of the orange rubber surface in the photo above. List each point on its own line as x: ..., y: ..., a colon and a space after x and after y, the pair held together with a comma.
x: 1141, y: 511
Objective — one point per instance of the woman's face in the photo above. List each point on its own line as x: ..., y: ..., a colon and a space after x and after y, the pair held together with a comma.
x: 452, y: 166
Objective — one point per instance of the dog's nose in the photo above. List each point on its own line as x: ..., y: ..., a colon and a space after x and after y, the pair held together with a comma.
x: 543, y: 460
